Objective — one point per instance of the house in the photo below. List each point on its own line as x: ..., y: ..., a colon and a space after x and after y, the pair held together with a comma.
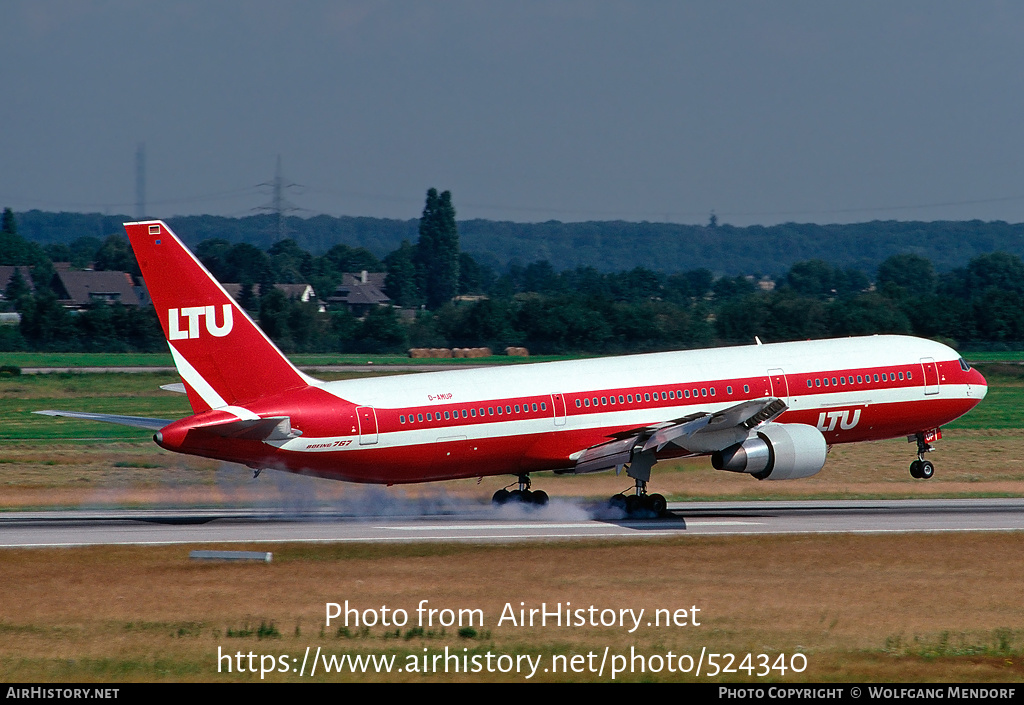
x: 360, y: 292
x: 78, y: 290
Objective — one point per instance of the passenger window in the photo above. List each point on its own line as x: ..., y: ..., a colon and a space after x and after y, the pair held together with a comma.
x: 490, y: 411
x: 535, y: 406
x: 901, y: 376
x: 817, y: 382
x: 671, y: 394
x: 622, y: 399
x: 910, y: 375
x: 746, y: 388
x: 712, y: 391
x: 687, y: 393
x: 728, y: 390
x: 419, y: 417
x: 578, y: 404
x: 647, y: 396
x: 860, y: 379
x: 834, y: 382
x: 499, y: 411
x: 876, y: 378
x: 810, y: 383
x: 543, y: 406
x: 472, y: 412
x: 508, y: 409
x: 517, y: 408
x: 429, y: 417
x: 447, y: 416
x: 703, y: 391
x: 401, y: 419
x: 604, y: 401
x: 826, y: 381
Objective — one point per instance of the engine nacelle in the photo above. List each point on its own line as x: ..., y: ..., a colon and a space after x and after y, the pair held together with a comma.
x: 777, y: 452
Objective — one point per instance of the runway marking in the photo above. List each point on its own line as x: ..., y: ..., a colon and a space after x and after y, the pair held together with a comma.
x: 471, y: 527
x: 699, y: 522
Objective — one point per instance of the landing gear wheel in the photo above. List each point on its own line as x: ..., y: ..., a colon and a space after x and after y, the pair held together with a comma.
x: 634, y: 503
x: 526, y: 496
x: 915, y: 469
x: 540, y: 498
x: 500, y: 497
x: 515, y: 496
x: 927, y: 470
x: 657, y: 504
x: 618, y: 502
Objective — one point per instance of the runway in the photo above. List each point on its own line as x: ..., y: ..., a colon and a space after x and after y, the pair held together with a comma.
x: 561, y: 521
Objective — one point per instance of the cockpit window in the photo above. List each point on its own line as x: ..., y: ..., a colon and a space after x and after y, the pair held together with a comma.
x: 964, y: 366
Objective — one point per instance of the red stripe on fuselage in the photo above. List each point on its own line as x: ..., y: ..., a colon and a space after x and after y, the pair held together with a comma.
x: 536, y: 452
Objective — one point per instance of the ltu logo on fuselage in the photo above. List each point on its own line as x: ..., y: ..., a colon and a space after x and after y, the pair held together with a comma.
x: 840, y: 417
x: 193, y: 314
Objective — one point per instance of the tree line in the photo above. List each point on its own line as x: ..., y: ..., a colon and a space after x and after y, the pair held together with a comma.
x: 445, y: 297
x: 608, y: 246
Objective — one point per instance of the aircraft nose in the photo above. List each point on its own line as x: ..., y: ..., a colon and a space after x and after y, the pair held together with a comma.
x: 977, y: 384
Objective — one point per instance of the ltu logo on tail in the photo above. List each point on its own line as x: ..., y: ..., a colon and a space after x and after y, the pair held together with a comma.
x: 193, y: 314
x: 843, y: 417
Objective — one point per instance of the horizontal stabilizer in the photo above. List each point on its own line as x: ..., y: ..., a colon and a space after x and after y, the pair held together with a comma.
x: 178, y: 387
x: 136, y: 421
x: 273, y: 428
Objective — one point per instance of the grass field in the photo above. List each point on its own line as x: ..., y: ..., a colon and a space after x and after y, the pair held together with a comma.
x: 919, y: 607
x: 916, y: 608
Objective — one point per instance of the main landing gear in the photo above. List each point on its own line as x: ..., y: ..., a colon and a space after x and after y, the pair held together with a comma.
x: 640, y: 505
x: 922, y: 469
x: 523, y: 495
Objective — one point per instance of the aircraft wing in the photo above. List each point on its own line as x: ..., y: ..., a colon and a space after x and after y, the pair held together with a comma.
x: 695, y: 434
x: 136, y: 421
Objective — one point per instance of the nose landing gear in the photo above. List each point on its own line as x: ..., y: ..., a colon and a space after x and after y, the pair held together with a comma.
x: 922, y: 469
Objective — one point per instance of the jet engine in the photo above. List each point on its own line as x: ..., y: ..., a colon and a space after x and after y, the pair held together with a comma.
x: 776, y: 452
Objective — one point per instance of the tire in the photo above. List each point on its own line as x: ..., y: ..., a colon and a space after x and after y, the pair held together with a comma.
x: 927, y: 470
x: 915, y: 469
x: 500, y: 497
x: 540, y: 498
x: 618, y: 502
x: 658, y: 504
x: 633, y: 505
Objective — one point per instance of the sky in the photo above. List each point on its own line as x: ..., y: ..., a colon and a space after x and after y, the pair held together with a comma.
x: 763, y: 112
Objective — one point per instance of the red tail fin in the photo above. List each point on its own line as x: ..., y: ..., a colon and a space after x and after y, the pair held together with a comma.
x: 221, y: 354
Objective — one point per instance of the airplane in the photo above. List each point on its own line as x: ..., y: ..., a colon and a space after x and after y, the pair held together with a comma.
x: 769, y: 410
